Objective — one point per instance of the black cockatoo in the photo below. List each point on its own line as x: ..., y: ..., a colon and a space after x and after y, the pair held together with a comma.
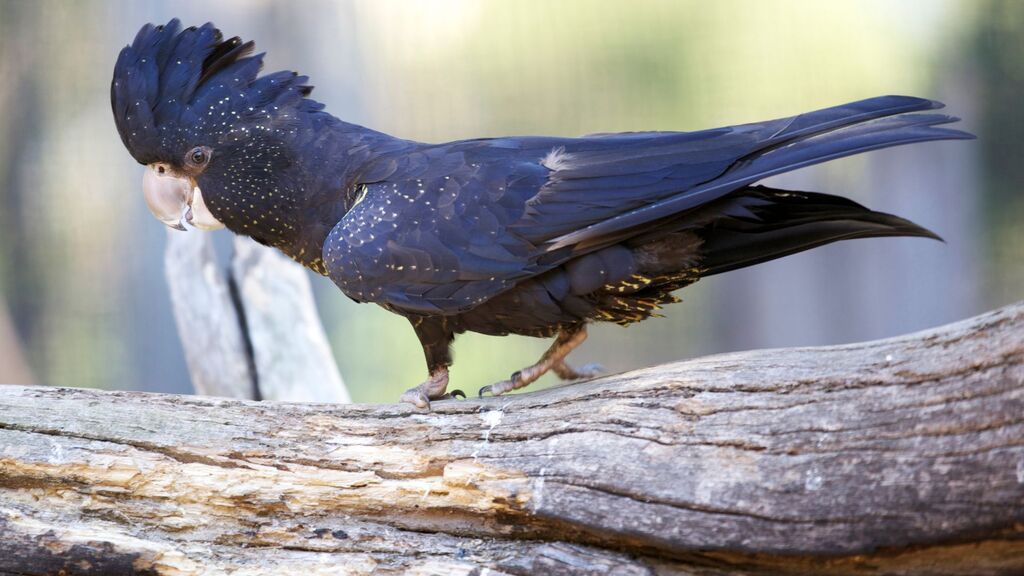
x: 527, y: 235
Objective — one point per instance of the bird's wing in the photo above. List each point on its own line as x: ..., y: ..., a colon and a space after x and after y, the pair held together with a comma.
x: 602, y: 189
x: 430, y: 234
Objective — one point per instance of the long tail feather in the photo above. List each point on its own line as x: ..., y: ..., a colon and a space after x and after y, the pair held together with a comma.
x: 804, y: 140
x: 775, y: 223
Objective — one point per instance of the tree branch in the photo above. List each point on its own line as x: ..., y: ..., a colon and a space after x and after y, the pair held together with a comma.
x: 207, y: 318
x: 251, y: 331
x: 291, y: 354
x: 898, y: 456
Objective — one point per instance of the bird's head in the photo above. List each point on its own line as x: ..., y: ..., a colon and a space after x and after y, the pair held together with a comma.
x: 216, y: 138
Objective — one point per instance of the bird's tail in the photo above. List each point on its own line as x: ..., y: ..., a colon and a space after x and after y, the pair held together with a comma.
x: 773, y: 147
x: 762, y: 224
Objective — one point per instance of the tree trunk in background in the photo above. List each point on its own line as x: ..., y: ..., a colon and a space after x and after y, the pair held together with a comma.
x: 900, y: 456
x: 251, y: 332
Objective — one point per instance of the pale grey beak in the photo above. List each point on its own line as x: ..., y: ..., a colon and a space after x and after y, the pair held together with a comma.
x: 167, y: 194
x: 173, y: 198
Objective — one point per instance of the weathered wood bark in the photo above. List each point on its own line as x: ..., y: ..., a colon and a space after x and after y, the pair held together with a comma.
x: 902, y: 456
x: 251, y: 331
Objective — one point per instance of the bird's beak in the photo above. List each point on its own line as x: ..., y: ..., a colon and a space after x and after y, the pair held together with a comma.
x: 198, y: 214
x: 174, y: 198
x: 167, y: 194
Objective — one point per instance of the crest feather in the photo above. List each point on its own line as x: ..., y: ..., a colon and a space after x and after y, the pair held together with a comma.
x: 169, y: 82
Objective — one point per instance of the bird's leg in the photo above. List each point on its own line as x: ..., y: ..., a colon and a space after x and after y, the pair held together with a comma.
x: 435, y: 338
x: 553, y: 359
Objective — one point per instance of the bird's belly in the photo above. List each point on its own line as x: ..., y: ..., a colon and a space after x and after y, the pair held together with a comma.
x: 528, y: 310
x: 613, y: 285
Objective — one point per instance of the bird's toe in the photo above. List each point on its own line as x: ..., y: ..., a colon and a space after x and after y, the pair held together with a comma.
x: 416, y: 397
x: 567, y: 372
x: 498, y: 388
x: 590, y: 370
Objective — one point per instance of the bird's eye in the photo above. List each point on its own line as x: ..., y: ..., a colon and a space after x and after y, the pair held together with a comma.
x: 198, y: 156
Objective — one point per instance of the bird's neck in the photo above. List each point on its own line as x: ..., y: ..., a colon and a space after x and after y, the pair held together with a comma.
x: 327, y: 159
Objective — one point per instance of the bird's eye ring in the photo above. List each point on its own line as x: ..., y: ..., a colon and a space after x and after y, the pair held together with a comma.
x: 198, y: 156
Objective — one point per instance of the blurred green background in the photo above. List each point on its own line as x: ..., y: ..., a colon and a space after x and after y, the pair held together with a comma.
x: 83, y: 296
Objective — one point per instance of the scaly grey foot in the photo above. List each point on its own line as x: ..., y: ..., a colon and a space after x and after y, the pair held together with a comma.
x: 567, y: 372
x: 553, y: 359
x: 433, y: 388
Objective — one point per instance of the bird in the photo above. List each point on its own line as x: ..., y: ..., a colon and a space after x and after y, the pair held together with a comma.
x: 536, y: 236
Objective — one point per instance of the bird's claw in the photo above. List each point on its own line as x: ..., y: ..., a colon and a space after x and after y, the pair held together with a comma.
x: 499, y: 388
x: 496, y: 389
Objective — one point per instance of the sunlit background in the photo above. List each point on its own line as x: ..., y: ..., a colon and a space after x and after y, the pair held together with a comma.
x: 83, y: 296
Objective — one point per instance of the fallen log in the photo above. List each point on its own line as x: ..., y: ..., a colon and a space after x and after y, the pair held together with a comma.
x: 900, y: 456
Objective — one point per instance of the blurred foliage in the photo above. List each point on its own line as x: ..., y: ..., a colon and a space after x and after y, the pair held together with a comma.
x: 80, y: 260
x: 448, y: 70
x: 57, y: 269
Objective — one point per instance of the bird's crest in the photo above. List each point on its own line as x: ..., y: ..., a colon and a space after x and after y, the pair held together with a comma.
x: 173, y: 87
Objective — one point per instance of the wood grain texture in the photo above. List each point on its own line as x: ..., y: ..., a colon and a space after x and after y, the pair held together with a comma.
x: 901, y: 456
